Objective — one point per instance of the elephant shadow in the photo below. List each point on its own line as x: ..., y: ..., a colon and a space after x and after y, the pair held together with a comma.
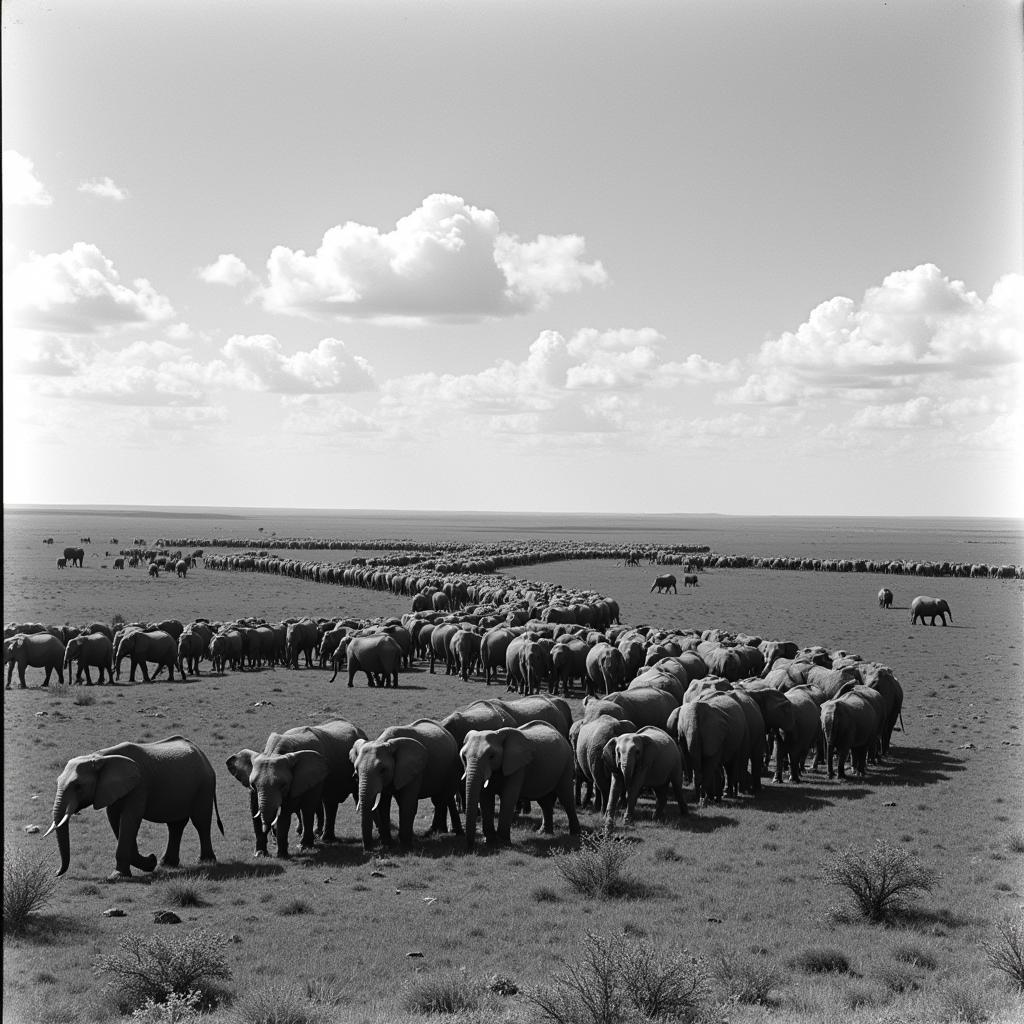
x: 222, y: 871
x: 915, y: 766
x: 796, y: 798
x: 45, y: 929
x: 704, y: 820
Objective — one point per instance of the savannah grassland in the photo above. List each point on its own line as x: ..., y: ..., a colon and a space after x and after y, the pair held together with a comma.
x: 741, y: 880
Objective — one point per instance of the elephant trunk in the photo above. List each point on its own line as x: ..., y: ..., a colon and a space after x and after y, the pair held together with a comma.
x: 118, y: 658
x: 270, y: 808
x: 476, y: 778
x: 62, y: 811
x: 369, y: 796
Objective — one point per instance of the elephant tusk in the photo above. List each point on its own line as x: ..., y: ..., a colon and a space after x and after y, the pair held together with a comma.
x: 487, y: 782
x: 376, y: 803
x: 256, y: 816
x: 57, y: 824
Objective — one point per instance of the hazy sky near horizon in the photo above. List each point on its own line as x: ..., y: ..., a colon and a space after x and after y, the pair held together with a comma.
x: 614, y: 256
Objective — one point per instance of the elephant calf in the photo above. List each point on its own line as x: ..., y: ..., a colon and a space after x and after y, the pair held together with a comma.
x: 648, y: 757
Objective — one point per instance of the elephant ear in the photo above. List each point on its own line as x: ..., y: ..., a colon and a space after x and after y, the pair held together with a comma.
x: 624, y: 726
x: 353, y: 754
x: 648, y: 750
x: 308, y: 769
x: 410, y: 760
x: 517, y: 751
x: 116, y: 776
x: 240, y: 765
x: 608, y: 755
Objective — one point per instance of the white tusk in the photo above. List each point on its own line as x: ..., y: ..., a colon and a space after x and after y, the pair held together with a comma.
x: 376, y: 803
x: 57, y: 824
x: 273, y: 824
x: 256, y: 816
x: 487, y: 782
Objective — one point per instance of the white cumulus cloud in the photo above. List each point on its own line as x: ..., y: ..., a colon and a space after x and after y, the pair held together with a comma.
x: 21, y: 187
x: 79, y: 291
x: 259, y: 363
x: 447, y: 261
x: 227, y: 269
x: 103, y: 188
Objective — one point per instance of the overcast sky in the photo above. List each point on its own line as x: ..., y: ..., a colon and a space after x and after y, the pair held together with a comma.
x: 701, y: 256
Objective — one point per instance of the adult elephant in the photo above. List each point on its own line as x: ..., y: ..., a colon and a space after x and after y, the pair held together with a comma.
x: 664, y: 583
x: 480, y: 715
x: 407, y: 763
x: 169, y: 781
x: 156, y: 647
x: 588, y: 741
x: 191, y: 647
x: 75, y: 556
x: 493, y: 648
x: 533, y: 762
x: 792, y: 746
x: 34, y: 650
x: 119, y: 563
x: 568, y: 662
x: 94, y: 650
x: 712, y: 735
x: 929, y: 607
x: 849, y: 726
x: 527, y: 665
x: 181, y: 568
x: 300, y: 771
x: 226, y: 650
x: 378, y: 655
x: 301, y: 637
x: 644, y: 705
x: 885, y: 598
x: 606, y: 670
x: 648, y: 757
x: 690, y: 580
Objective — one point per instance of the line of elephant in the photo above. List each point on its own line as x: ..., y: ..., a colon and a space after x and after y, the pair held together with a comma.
x: 673, y: 725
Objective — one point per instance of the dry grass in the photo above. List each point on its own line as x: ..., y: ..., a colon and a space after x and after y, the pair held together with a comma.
x: 29, y: 884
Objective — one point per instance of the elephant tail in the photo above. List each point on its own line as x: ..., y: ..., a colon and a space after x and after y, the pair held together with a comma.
x: 216, y: 811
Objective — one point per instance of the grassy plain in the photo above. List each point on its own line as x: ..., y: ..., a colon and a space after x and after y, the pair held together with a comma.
x: 743, y: 879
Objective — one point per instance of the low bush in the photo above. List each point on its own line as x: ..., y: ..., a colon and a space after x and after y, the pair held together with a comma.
x: 598, y: 868
x: 822, y: 961
x: 1005, y: 949
x: 616, y: 979
x: 744, y: 978
x: 964, y: 1001
x: 29, y: 883
x: 915, y: 956
x: 183, y: 894
x: 276, y: 1003
x: 881, y: 883
x: 897, y: 978
x: 150, y: 967
x: 545, y: 894
x: 176, y: 1010
x: 294, y: 907
x: 450, y: 992
x: 83, y: 698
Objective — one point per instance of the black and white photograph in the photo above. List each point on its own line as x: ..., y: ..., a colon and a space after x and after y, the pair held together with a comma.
x: 513, y: 511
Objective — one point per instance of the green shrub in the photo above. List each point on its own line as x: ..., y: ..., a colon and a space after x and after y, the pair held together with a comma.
x: 881, y: 883
x: 616, y: 979
x: 822, y: 961
x: 29, y: 883
x: 1005, y: 950
x: 150, y: 967
x: 598, y: 868
x: 444, y: 993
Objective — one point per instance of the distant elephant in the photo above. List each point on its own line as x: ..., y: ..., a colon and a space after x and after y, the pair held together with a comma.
x: 493, y: 647
x: 154, y: 570
x: 62, y: 563
x: 181, y: 568
x: 792, y: 746
x: 464, y: 646
x: 527, y: 665
x: 935, y: 608
x: 378, y: 655
x: 648, y: 757
x: 300, y: 771
x: 664, y: 583
x: 712, y: 735
x: 156, y: 647
x: 226, y: 650
x: 191, y: 647
x: 118, y: 563
x: 408, y: 763
x: 533, y: 762
x: 92, y: 651
x: 849, y: 725
x: 588, y: 740
x: 301, y: 638
x: 169, y: 781
x: 606, y: 670
x: 75, y: 556
x: 885, y: 598
x: 690, y: 580
x: 34, y: 650
x: 644, y: 706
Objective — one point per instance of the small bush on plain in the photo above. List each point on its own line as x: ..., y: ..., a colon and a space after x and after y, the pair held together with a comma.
x: 155, y: 968
x: 915, y: 956
x: 183, y: 894
x: 964, y: 1001
x: 598, y: 868
x: 615, y: 979
x: 294, y: 907
x: 744, y: 978
x: 28, y: 885
x: 1005, y: 950
x: 822, y: 961
x: 83, y: 698
x: 277, y: 1003
x: 445, y: 993
x: 178, y: 1009
x: 881, y: 883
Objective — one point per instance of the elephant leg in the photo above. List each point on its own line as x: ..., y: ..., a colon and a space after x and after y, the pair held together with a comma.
x: 384, y: 819
x: 564, y: 795
x: 330, y: 818
x: 509, y: 802
x: 172, y: 855
x: 453, y: 812
x: 307, y: 813
x: 88, y: 676
x: 660, y: 800
x: 547, y: 810
x: 128, y: 846
x: 46, y: 678
x: 632, y: 795
x: 257, y: 827
x: 407, y: 805
x: 677, y: 792
x: 487, y: 798
x: 145, y: 672
x: 284, y: 821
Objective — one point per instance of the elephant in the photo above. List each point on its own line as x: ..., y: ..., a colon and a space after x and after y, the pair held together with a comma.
x: 154, y: 570
x: 712, y: 735
x: 34, y: 650
x: 644, y: 705
x: 934, y: 608
x: 303, y: 771
x: 481, y: 714
x: 464, y: 647
x: 493, y: 647
x: 181, y: 568
x: 588, y: 740
x: 191, y: 647
x: 777, y: 712
x: 647, y: 757
x: 881, y: 678
x: 301, y: 638
x: 849, y: 725
x: 408, y: 763
x: 378, y: 655
x: 169, y: 781
x: 658, y: 677
x: 440, y: 636
x: 75, y: 556
x: 532, y: 762
x: 690, y: 580
x: 540, y: 708
x: 140, y: 646
x: 664, y: 583
x: 62, y: 563
x: 885, y: 598
x: 119, y: 563
x: 568, y: 662
x: 92, y: 651
x: 793, y: 745
x: 606, y: 669
x: 753, y: 764
x: 226, y: 649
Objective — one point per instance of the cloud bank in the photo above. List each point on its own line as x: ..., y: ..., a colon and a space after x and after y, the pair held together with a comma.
x: 21, y: 187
